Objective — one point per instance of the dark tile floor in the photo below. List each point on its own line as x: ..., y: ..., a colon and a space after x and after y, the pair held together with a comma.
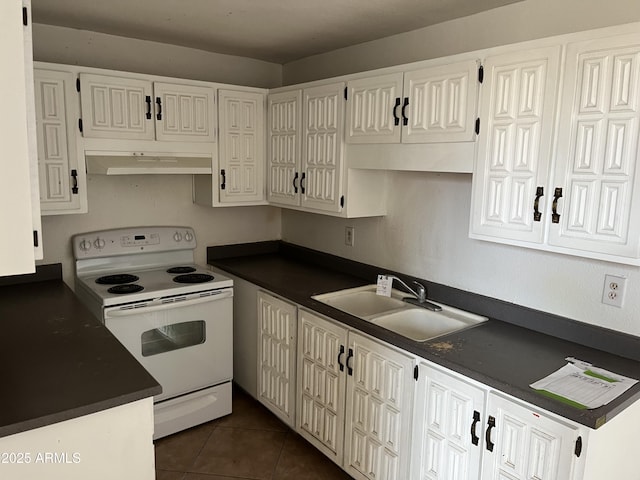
x: 251, y: 443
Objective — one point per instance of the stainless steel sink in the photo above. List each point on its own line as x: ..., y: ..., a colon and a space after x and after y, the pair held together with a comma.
x: 394, y: 314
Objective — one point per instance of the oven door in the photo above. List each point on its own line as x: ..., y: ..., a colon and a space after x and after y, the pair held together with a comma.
x: 185, y: 343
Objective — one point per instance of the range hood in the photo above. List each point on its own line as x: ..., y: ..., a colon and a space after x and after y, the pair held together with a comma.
x: 138, y: 163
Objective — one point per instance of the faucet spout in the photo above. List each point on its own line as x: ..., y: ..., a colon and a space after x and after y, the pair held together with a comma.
x: 420, y: 293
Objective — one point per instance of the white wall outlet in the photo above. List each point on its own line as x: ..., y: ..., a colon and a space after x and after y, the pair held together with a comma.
x: 349, y: 233
x: 613, y: 291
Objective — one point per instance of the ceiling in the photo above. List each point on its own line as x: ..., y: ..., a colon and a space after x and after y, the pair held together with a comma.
x: 272, y: 30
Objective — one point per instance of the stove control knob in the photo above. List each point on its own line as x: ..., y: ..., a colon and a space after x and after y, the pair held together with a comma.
x: 85, y: 245
x: 177, y: 237
x: 99, y: 243
x: 188, y: 237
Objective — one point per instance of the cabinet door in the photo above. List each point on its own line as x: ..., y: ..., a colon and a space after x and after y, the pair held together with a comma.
x: 62, y: 181
x: 241, y: 146
x: 373, y: 109
x: 285, y: 118
x: 449, y: 418
x: 323, y: 109
x: 185, y: 113
x: 379, y: 407
x: 16, y: 249
x: 321, y: 383
x: 512, y: 167
x: 597, y: 159
x: 116, y: 107
x: 440, y: 104
x: 277, y: 356
x: 524, y: 443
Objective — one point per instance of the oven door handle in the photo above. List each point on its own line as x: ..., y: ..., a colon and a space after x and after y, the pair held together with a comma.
x: 169, y: 305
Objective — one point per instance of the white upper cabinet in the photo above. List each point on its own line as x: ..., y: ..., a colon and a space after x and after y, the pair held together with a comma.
x: 20, y: 212
x: 139, y: 109
x: 61, y: 168
x: 596, y: 189
x: 515, y: 145
x: 429, y: 105
x: 285, y: 147
x: 580, y: 193
x: 322, y: 158
x: 242, y: 126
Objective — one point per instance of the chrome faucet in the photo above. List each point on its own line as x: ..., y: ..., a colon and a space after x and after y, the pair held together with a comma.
x: 420, y: 293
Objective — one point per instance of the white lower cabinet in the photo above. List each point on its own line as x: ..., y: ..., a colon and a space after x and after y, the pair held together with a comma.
x: 355, y: 397
x: 277, y: 356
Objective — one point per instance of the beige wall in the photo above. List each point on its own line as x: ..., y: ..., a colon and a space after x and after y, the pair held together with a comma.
x: 426, y: 230
x: 91, y: 49
x: 518, y: 22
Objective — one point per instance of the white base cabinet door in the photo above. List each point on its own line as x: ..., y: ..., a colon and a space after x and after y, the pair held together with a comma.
x: 277, y: 356
x: 321, y: 383
x: 448, y: 426
x: 523, y: 443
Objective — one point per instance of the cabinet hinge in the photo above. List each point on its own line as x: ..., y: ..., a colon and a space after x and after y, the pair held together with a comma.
x: 481, y: 74
x: 77, y: 84
x: 478, y: 126
x: 346, y: 92
x: 80, y: 125
x: 342, y: 201
x: 578, y: 449
x: 25, y: 16
x: 415, y: 373
x: 35, y: 238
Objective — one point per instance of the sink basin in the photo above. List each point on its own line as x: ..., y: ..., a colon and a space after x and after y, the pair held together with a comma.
x: 394, y: 314
x: 421, y: 324
x: 363, y: 302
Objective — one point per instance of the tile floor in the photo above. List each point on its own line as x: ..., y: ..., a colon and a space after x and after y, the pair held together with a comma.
x: 251, y: 443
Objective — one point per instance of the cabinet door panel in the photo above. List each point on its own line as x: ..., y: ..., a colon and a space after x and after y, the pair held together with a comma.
x: 285, y: 116
x: 372, y: 109
x: 442, y: 103
x: 517, y: 114
x: 188, y: 113
x: 323, y: 150
x: 60, y: 192
x: 598, y: 152
x: 114, y: 107
x: 321, y: 383
x: 241, y: 146
x: 276, y: 356
x: 379, y: 402
x: 528, y: 443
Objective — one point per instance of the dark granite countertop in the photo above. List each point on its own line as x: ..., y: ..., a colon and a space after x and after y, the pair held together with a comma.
x: 504, y: 353
x: 57, y: 361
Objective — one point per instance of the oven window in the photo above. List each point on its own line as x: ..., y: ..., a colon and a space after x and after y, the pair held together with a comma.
x: 173, y: 337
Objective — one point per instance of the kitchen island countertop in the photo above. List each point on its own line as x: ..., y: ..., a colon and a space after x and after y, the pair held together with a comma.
x: 57, y: 361
x: 501, y: 353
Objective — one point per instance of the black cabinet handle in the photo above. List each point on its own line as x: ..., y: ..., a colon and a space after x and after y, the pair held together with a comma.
x: 295, y: 186
x: 74, y: 181
x: 159, y: 103
x: 555, y: 216
x: 491, y: 423
x: 340, y: 354
x: 537, y: 216
x: 396, y: 118
x: 304, y: 174
x: 349, y: 367
x: 148, y: 100
x: 405, y: 119
x: 224, y: 179
x: 476, y: 418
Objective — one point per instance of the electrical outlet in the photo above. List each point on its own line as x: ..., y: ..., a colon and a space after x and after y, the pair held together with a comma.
x: 349, y: 233
x: 613, y: 291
